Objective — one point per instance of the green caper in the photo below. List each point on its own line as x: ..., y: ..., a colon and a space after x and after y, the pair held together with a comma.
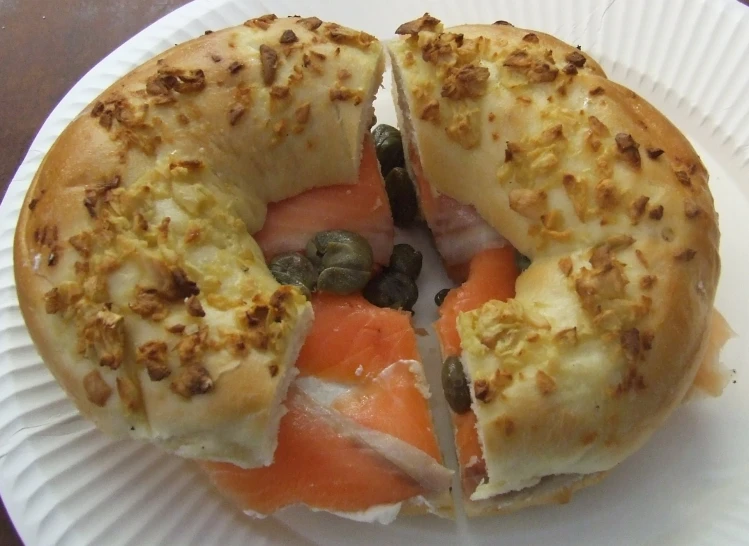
x: 407, y: 260
x: 522, y: 261
x: 294, y: 269
x: 455, y: 385
x: 340, y: 248
x: 404, y: 204
x: 344, y: 260
x: 389, y: 148
x: 392, y: 289
x: 439, y: 297
x: 340, y: 280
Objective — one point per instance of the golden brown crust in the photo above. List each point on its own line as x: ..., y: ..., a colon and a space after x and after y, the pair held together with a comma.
x: 139, y: 283
x: 610, y: 202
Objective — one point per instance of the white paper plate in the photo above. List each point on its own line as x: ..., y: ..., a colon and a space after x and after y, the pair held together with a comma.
x: 65, y: 483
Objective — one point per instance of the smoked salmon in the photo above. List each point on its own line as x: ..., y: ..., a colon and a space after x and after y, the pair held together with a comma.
x: 492, y: 275
x: 362, y: 208
x: 358, y: 433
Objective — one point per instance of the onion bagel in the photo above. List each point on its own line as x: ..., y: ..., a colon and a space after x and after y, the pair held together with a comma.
x: 611, y: 204
x: 137, y: 276
x: 140, y: 265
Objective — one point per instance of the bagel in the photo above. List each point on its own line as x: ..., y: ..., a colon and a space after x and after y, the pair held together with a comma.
x: 148, y: 297
x: 611, y: 204
x: 137, y: 275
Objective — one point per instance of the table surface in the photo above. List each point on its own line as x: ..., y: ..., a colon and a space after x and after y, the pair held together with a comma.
x: 46, y: 46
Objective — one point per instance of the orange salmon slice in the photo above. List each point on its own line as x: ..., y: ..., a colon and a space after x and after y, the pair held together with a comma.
x: 314, y: 464
x: 362, y: 207
x: 491, y: 276
x: 351, y: 338
x: 407, y: 415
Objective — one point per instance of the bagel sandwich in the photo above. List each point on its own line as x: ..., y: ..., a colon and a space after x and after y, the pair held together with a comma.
x: 609, y: 201
x: 137, y: 275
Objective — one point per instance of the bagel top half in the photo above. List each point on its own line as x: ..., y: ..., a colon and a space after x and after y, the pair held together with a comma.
x: 137, y: 276
x: 610, y: 202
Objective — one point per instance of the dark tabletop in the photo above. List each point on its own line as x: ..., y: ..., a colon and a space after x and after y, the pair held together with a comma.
x: 45, y: 48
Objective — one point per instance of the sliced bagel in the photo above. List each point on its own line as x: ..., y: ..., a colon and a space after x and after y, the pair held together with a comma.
x: 137, y: 276
x: 610, y: 202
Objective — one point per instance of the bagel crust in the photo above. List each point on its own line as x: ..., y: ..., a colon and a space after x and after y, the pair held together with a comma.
x: 612, y: 205
x: 137, y: 275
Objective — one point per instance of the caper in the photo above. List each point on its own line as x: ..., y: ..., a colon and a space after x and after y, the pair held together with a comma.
x: 344, y: 260
x: 340, y: 280
x: 340, y: 248
x: 404, y: 204
x: 455, y: 385
x: 522, y: 261
x: 392, y: 289
x: 407, y: 260
x: 439, y: 297
x: 294, y: 269
x: 389, y: 148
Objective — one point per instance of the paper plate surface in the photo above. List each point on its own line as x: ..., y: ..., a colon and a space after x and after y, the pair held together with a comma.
x: 65, y: 483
